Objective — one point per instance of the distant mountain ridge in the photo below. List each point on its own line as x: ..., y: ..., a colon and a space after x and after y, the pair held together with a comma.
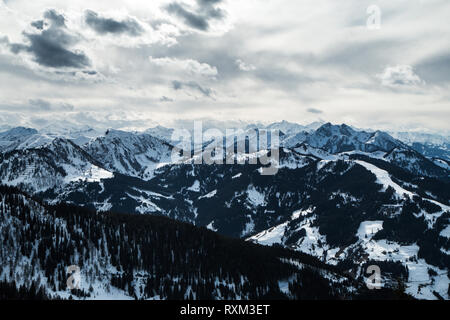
x: 141, y: 154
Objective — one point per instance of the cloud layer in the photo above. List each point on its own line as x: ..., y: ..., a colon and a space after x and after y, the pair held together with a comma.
x: 225, y: 59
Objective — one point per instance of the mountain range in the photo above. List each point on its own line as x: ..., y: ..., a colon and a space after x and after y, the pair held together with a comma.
x: 350, y: 198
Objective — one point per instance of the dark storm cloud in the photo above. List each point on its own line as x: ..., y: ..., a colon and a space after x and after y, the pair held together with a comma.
x: 39, y: 24
x: 198, y: 19
x: 191, y: 19
x: 314, y: 110
x: 56, y: 18
x: 208, y: 9
x: 51, y: 47
x: 179, y: 85
x: 108, y: 25
x: 49, y: 51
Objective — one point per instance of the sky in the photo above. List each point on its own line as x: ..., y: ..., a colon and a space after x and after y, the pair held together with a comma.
x: 133, y: 64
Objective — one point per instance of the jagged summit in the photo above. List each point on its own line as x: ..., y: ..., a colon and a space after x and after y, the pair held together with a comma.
x: 131, y: 153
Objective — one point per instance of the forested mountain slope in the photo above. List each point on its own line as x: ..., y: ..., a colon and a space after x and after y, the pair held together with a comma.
x: 146, y: 257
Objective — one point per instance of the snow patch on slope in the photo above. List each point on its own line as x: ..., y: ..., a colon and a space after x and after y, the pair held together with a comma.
x: 145, y: 206
x: 369, y: 228
x: 270, y: 236
x: 208, y: 195
x: 91, y: 174
x: 195, y: 186
x: 236, y: 176
x: 255, y: 198
x: 446, y: 232
x: 384, y: 179
x: 210, y: 226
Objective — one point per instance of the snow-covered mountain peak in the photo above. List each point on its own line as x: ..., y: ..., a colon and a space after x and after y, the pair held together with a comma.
x: 17, y: 132
x: 53, y: 164
x: 384, y: 141
x: 161, y: 132
x: 13, y: 137
x: 342, y: 138
x: 329, y: 129
x: 134, y: 154
x: 286, y: 127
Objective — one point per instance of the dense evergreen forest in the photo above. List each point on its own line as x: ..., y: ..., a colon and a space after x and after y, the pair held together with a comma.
x: 146, y: 257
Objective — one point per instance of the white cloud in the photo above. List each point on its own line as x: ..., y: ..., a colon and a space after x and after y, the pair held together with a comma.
x: 400, y: 76
x: 190, y: 66
x: 244, y: 66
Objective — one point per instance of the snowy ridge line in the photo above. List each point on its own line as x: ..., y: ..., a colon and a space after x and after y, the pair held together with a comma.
x: 384, y: 178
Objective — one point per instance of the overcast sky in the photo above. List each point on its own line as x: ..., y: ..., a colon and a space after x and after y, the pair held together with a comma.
x: 133, y: 63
